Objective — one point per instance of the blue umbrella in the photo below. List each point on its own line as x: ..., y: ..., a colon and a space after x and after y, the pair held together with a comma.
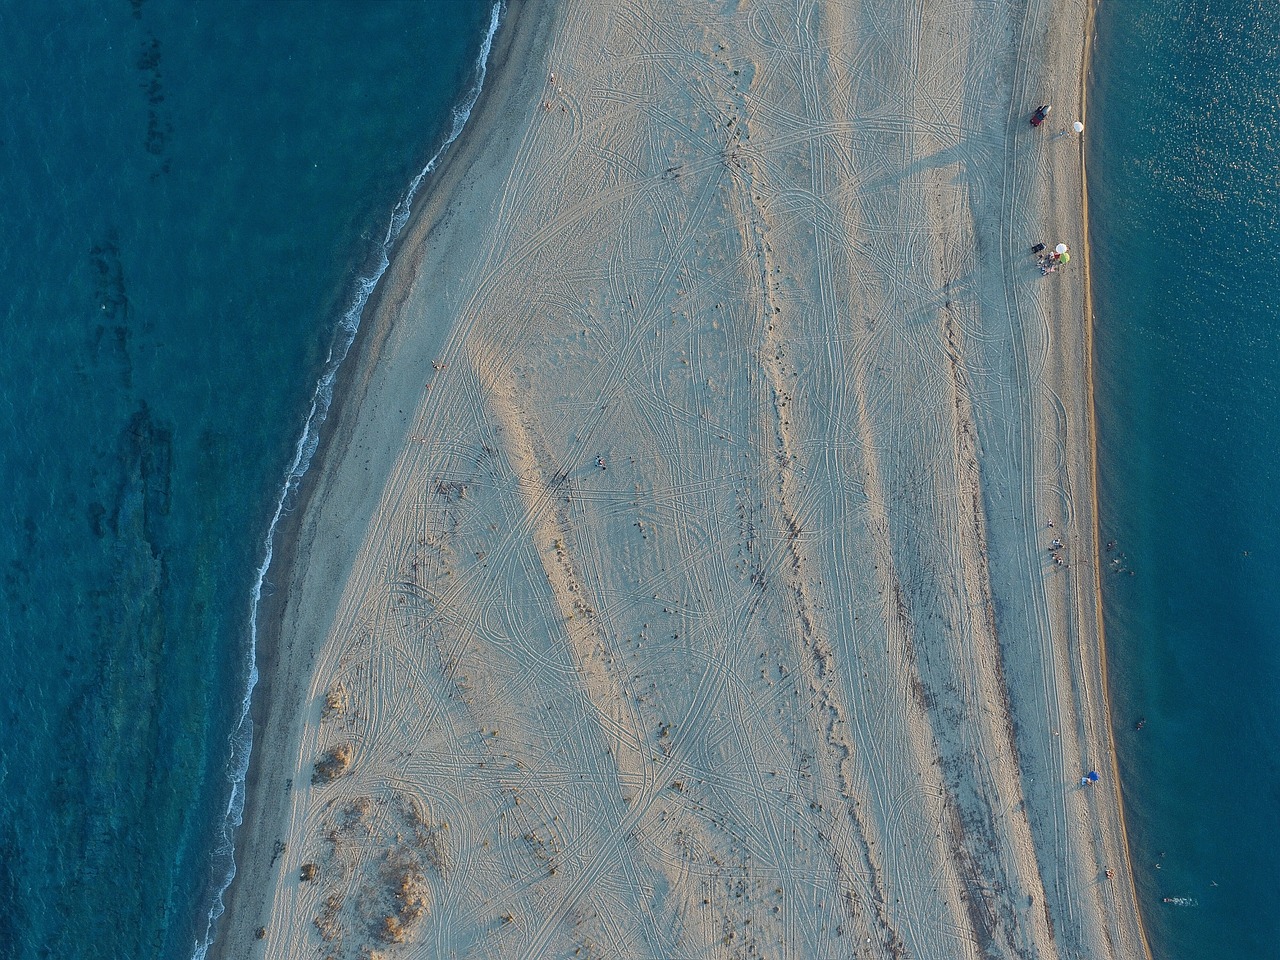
x: 1093, y: 776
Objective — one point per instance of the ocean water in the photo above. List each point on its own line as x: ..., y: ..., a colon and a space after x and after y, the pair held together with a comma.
x: 1184, y: 176
x: 195, y: 197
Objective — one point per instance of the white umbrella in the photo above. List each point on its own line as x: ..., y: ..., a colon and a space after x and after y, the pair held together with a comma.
x: 1078, y: 127
x: 1060, y: 248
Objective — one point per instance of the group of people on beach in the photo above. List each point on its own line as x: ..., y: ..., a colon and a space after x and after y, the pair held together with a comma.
x: 1051, y: 261
x: 1055, y: 548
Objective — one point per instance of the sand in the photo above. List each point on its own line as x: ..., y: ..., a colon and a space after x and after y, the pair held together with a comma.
x: 677, y: 581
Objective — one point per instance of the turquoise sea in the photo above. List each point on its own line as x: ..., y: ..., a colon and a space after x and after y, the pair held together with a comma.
x: 1184, y: 177
x: 196, y: 198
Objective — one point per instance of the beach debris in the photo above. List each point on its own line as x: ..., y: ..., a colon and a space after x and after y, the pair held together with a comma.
x: 1041, y: 114
x: 260, y: 933
x: 451, y: 490
x: 333, y: 764
x: 308, y: 872
x: 335, y: 701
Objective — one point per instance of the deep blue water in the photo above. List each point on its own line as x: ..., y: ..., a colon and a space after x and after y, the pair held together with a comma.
x: 191, y: 196
x: 1184, y: 175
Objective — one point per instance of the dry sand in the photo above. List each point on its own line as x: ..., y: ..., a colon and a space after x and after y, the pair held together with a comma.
x: 678, y: 583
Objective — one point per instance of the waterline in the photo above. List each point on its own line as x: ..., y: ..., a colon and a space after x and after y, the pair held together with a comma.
x: 241, y: 741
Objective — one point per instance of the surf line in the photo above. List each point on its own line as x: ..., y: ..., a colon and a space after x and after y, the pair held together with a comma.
x: 241, y: 740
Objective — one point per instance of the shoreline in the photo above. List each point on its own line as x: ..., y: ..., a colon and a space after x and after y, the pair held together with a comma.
x: 1090, y: 34
x: 394, y: 520
x: 1113, y: 838
x: 272, y: 711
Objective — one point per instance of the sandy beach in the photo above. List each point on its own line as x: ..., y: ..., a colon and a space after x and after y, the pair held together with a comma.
x: 678, y: 580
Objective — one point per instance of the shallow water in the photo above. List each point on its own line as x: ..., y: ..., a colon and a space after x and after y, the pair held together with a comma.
x: 192, y: 193
x: 1185, y: 215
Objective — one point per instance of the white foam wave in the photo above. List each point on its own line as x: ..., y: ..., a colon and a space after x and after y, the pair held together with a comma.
x: 241, y: 743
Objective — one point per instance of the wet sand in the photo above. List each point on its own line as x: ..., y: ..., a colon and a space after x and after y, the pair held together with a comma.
x: 678, y: 580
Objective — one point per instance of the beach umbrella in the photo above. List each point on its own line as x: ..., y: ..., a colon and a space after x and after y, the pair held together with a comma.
x: 1060, y: 248
x: 1078, y: 127
x: 1064, y: 257
x: 1093, y: 776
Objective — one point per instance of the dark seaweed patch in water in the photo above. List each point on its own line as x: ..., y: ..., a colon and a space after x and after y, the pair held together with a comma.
x: 149, y: 57
x: 114, y: 748
x: 97, y: 513
x: 150, y: 460
x: 158, y: 126
x: 109, y: 278
x: 12, y: 912
x: 112, y: 303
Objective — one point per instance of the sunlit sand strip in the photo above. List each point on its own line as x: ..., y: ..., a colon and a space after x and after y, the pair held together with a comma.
x: 692, y: 597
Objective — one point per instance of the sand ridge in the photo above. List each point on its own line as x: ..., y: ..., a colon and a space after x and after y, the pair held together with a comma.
x: 705, y: 607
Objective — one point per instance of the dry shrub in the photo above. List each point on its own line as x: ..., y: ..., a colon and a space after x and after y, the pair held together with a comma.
x: 391, y: 930
x: 328, y: 922
x: 333, y: 764
x: 412, y: 895
x: 356, y: 811
x: 335, y: 701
